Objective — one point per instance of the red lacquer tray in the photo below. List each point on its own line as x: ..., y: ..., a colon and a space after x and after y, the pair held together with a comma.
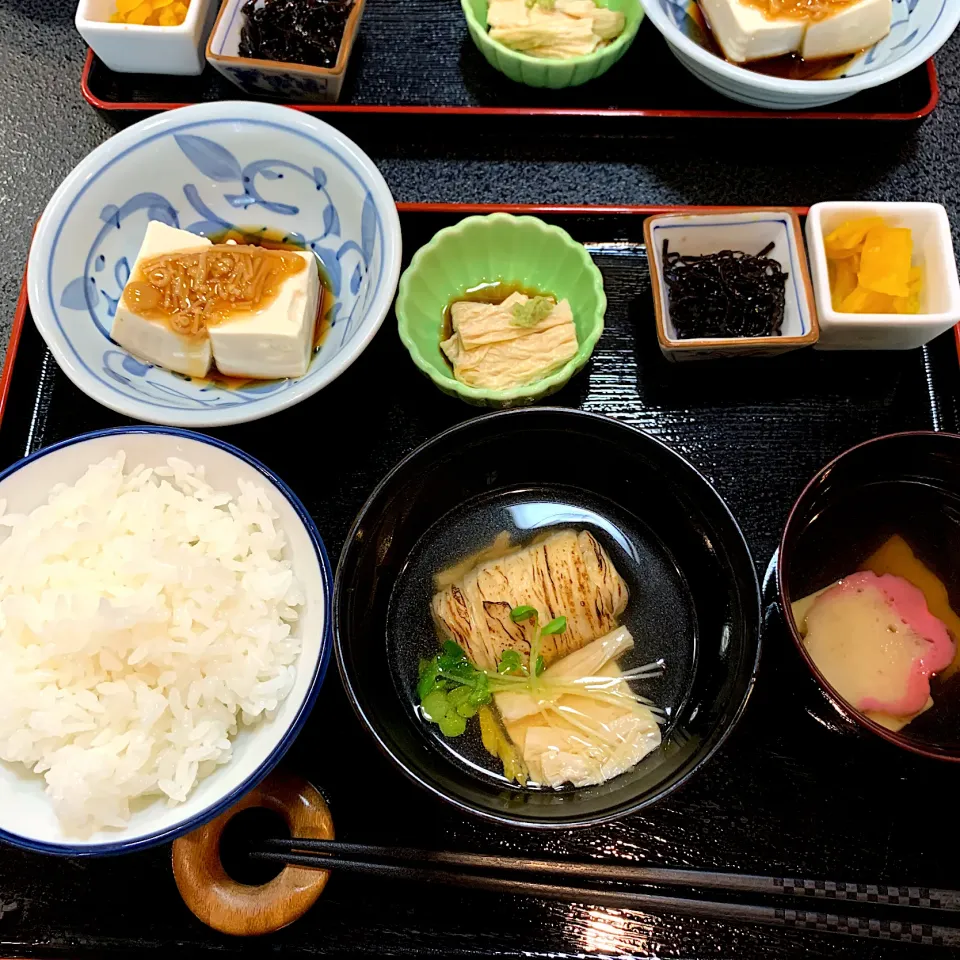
x: 387, y: 77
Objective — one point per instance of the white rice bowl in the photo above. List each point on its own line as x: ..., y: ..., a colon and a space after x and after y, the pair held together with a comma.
x: 271, y: 686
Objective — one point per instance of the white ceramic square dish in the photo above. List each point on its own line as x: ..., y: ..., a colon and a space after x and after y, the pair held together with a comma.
x: 749, y: 230
x: 289, y: 81
x: 932, y: 249
x: 135, y: 48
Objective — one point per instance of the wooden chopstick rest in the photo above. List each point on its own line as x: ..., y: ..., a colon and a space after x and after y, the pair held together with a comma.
x: 239, y: 909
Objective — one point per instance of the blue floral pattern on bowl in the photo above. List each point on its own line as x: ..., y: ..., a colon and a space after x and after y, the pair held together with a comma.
x: 286, y: 85
x: 207, y: 176
x: 913, y: 21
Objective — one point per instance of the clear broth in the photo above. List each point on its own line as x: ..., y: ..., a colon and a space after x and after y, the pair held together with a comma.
x: 660, y: 614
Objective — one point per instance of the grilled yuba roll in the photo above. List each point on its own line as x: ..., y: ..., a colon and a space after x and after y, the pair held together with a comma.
x: 567, y: 574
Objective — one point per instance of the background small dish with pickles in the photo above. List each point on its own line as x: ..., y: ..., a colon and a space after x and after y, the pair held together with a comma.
x: 144, y: 48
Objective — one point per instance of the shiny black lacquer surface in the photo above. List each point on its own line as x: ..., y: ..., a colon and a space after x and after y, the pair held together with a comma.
x: 789, y: 793
x: 417, y: 53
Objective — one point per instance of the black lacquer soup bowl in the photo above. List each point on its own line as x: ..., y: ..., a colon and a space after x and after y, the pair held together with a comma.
x: 904, y: 485
x: 694, y: 598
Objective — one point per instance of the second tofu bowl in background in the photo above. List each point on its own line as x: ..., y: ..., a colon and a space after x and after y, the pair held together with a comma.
x: 747, y: 54
x: 860, y: 312
x: 247, y: 172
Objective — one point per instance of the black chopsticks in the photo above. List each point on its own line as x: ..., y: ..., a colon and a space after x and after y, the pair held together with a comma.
x: 573, y: 882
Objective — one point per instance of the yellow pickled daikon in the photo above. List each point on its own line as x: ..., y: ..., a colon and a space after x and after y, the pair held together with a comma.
x: 885, y: 261
x: 870, y: 268
x: 847, y: 239
x: 152, y: 13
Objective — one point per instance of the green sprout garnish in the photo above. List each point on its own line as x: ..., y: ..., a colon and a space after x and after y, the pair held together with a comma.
x: 451, y: 689
x: 519, y: 614
x: 511, y: 663
x: 557, y: 625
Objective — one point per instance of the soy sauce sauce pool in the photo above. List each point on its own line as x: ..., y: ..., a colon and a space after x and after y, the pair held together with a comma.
x: 848, y: 530
x: 660, y: 613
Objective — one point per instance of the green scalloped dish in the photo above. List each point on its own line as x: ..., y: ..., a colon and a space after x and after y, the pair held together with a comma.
x: 522, y: 250
x: 556, y: 74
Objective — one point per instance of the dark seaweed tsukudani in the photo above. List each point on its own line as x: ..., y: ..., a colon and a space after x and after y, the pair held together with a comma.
x: 294, y: 31
x: 725, y: 294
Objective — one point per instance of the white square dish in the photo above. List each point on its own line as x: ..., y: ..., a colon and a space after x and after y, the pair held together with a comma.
x: 932, y: 249
x: 136, y: 48
x: 749, y: 230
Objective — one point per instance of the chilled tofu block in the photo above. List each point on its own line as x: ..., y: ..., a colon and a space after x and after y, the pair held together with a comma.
x: 153, y: 340
x: 277, y: 340
x: 249, y: 311
x: 854, y: 28
x: 744, y: 33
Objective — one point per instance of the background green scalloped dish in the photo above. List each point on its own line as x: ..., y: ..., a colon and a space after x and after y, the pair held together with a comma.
x: 536, y: 72
x: 521, y: 250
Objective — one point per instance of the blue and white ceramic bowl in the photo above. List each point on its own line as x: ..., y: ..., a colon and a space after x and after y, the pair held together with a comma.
x: 920, y: 28
x: 207, y: 168
x: 27, y: 818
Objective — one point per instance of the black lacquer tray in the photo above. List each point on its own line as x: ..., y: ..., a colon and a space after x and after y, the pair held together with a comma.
x: 789, y: 794
x: 414, y: 57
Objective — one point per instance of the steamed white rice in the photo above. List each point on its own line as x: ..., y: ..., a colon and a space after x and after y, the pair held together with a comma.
x: 144, y: 617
